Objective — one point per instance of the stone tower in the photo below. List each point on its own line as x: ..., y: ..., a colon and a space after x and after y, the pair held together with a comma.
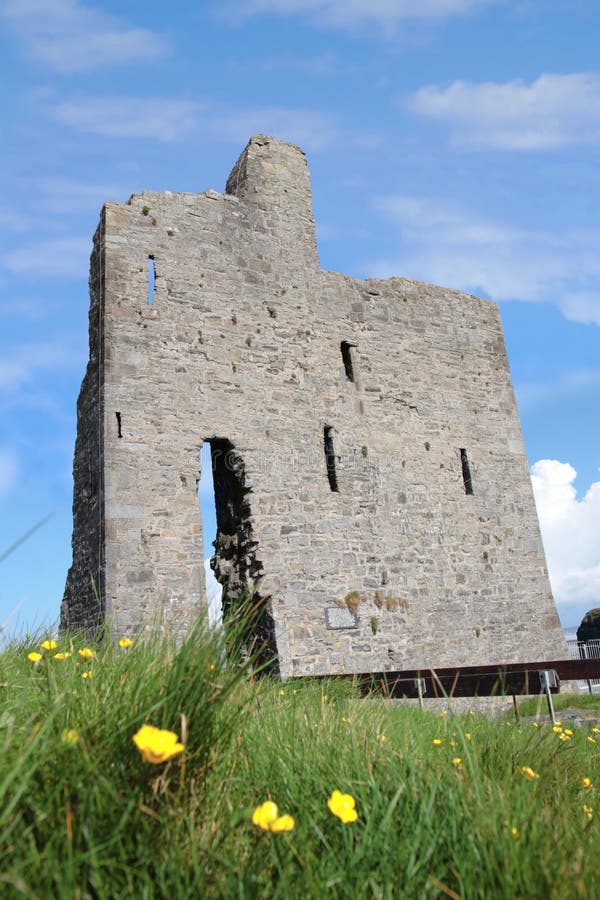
x: 370, y: 474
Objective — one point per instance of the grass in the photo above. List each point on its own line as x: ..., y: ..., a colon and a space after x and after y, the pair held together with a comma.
x: 82, y: 814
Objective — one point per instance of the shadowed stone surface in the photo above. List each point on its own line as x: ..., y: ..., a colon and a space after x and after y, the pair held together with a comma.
x: 370, y: 474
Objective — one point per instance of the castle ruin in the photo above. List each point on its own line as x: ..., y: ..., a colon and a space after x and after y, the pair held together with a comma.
x: 371, y: 482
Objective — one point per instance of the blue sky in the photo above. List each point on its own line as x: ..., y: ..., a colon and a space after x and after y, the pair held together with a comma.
x: 453, y: 141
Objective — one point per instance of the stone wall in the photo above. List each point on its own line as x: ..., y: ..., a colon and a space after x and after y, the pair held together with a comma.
x: 373, y: 482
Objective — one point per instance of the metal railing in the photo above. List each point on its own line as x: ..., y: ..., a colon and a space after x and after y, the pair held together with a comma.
x: 586, y: 650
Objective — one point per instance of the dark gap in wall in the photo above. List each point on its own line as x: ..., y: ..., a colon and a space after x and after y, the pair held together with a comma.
x: 235, y: 564
x: 119, y: 431
x: 151, y: 280
x: 330, y: 457
x: 466, y: 471
x: 346, y: 348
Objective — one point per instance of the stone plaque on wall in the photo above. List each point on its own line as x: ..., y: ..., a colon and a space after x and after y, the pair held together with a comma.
x: 338, y: 617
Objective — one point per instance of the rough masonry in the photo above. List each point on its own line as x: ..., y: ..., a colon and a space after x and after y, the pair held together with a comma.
x: 370, y: 476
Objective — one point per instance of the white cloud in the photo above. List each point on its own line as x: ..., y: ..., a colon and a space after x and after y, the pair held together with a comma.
x: 57, y: 258
x: 9, y: 470
x: 130, y: 117
x: 553, y: 111
x: 28, y: 360
x: 445, y: 244
x: 570, y: 528
x: 68, y: 36
x: 386, y: 14
x: 213, y: 595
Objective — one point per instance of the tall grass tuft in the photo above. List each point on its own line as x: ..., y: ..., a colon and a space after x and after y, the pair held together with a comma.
x: 447, y: 806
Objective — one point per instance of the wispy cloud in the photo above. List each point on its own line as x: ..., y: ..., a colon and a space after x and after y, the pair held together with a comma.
x: 130, y: 117
x: 168, y: 120
x: 551, y: 112
x: 385, y: 14
x: 68, y: 36
x: 448, y: 245
x: 569, y: 528
x: 24, y: 363
x: 309, y: 128
x: 567, y: 385
x: 9, y: 470
x: 57, y: 258
x: 70, y: 195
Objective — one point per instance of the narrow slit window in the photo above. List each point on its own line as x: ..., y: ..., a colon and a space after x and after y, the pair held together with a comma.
x: 466, y: 471
x: 151, y: 280
x: 330, y: 457
x: 119, y: 431
x: 346, y: 349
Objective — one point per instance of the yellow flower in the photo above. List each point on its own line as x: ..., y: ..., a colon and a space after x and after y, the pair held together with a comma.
x: 591, y: 740
x: 125, y: 642
x: 48, y: 645
x: 595, y: 730
x: 157, y: 745
x: 267, y: 817
x: 34, y: 656
x: 468, y: 735
x: 343, y: 806
x: 86, y: 674
x: 437, y: 742
x: 86, y: 653
x: 457, y: 761
x: 564, y: 737
x: 381, y: 738
x: 282, y: 693
x: 556, y: 728
x: 536, y: 724
x: 515, y: 833
x: 70, y: 736
x: 588, y: 811
x: 587, y: 783
x: 568, y: 731
x: 528, y: 773
x: 65, y: 655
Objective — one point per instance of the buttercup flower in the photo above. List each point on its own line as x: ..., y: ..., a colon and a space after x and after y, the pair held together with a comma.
x: 591, y: 740
x: 588, y: 811
x: 34, y: 656
x: 157, y: 745
x: 86, y: 653
x: 556, y: 728
x: 86, y: 675
x: 381, y: 738
x: 587, y: 783
x: 65, y: 655
x: 457, y: 761
x: 343, y: 806
x: 70, y: 736
x: 595, y: 730
x: 48, y: 645
x: 437, y: 742
x: 125, y: 642
x: 267, y: 817
x: 528, y: 773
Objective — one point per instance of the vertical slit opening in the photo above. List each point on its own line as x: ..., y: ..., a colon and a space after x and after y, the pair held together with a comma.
x: 466, y: 471
x: 330, y: 457
x: 151, y: 280
x: 208, y: 516
x: 119, y: 431
x: 346, y: 349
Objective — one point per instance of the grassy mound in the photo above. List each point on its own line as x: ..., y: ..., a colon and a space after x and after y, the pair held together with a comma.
x: 454, y: 806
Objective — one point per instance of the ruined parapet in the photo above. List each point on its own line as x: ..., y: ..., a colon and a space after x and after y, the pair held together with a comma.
x: 371, y: 480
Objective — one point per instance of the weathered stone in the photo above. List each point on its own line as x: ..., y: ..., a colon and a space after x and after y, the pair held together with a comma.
x: 363, y: 433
